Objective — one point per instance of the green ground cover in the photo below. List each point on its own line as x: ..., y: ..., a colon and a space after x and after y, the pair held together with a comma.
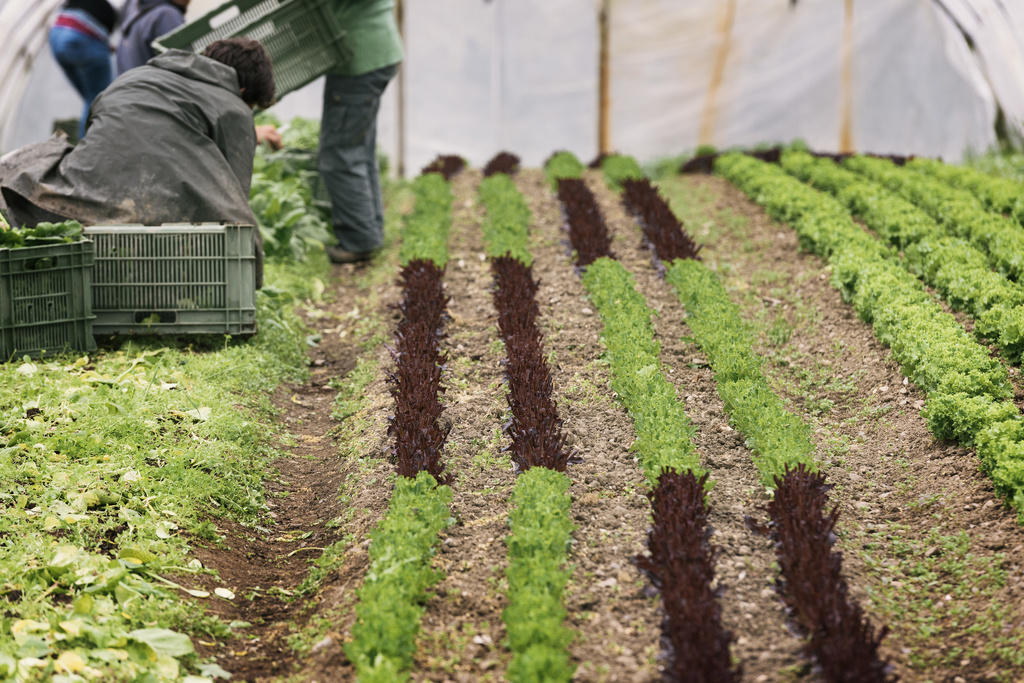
x: 110, y: 465
x: 113, y: 464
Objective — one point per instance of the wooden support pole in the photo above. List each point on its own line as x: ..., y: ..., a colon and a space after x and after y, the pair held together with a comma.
x: 846, y: 106
x: 709, y: 117
x: 400, y: 115
x: 604, y: 135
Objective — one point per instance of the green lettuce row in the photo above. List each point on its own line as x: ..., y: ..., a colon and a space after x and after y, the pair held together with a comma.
x: 664, y: 432
x: 426, y: 228
x: 969, y: 396
x: 951, y: 265
x: 618, y: 168
x: 780, y: 439
x: 540, y: 527
x: 996, y: 194
x: 539, y: 522
x: 391, y: 599
x: 957, y: 211
x: 506, y: 226
x: 562, y: 165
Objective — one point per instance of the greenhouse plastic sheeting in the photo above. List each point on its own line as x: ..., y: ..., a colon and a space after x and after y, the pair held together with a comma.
x: 508, y: 74
x: 876, y: 75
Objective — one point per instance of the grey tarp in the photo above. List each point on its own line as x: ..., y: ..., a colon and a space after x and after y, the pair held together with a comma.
x: 168, y: 142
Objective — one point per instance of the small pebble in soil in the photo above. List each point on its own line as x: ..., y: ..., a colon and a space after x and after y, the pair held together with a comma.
x: 327, y: 641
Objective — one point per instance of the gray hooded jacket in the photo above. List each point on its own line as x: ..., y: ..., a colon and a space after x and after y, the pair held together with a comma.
x: 168, y: 142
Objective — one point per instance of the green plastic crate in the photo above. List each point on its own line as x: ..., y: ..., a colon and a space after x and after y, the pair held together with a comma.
x: 302, y: 37
x: 44, y: 299
x: 174, y: 279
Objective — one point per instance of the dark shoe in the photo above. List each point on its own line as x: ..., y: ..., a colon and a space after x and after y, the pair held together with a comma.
x: 339, y: 255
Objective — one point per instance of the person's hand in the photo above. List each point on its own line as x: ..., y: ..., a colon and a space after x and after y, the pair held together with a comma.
x: 269, y: 135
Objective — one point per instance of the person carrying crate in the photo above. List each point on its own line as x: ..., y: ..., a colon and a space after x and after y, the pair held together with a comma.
x: 348, y: 128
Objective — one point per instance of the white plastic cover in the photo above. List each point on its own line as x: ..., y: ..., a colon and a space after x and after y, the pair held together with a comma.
x: 483, y: 75
x: 23, y: 36
x: 875, y: 75
x: 996, y: 29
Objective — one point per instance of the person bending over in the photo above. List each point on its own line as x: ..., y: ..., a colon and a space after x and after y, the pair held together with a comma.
x: 169, y: 142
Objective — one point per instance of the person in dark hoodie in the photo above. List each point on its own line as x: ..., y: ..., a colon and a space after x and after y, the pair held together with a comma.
x: 144, y: 22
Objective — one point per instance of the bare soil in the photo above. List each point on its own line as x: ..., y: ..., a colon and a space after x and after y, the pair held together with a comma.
x: 929, y: 549
x: 316, y: 497
x: 616, y: 619
x: 462, y: 631
x: 764, y: 645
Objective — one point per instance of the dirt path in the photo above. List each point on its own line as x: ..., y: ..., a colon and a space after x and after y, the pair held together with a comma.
x: 316, y: 499
x: 617, y: 622
x: 462, y: 630
x: 764, y: 645
x: 928, y: 547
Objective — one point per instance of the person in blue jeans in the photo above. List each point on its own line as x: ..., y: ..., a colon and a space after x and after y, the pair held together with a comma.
x: 80, y: 43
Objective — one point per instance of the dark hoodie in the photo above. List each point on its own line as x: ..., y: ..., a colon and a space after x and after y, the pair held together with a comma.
x: 144, y: 22
x: 168, y: 142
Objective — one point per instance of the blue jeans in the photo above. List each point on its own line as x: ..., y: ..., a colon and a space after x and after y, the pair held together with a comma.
x: 85, y: 61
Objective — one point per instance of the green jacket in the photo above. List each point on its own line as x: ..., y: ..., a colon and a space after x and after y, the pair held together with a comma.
x: 371, y: 35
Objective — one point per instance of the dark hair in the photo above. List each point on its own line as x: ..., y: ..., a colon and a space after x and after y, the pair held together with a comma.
x: 252, y: 64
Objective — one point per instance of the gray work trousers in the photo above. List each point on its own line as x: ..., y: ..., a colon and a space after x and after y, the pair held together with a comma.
x: 348, y: 157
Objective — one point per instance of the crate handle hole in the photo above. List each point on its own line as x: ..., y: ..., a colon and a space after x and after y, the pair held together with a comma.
x: 224, y: 17
x: 150, y: 317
